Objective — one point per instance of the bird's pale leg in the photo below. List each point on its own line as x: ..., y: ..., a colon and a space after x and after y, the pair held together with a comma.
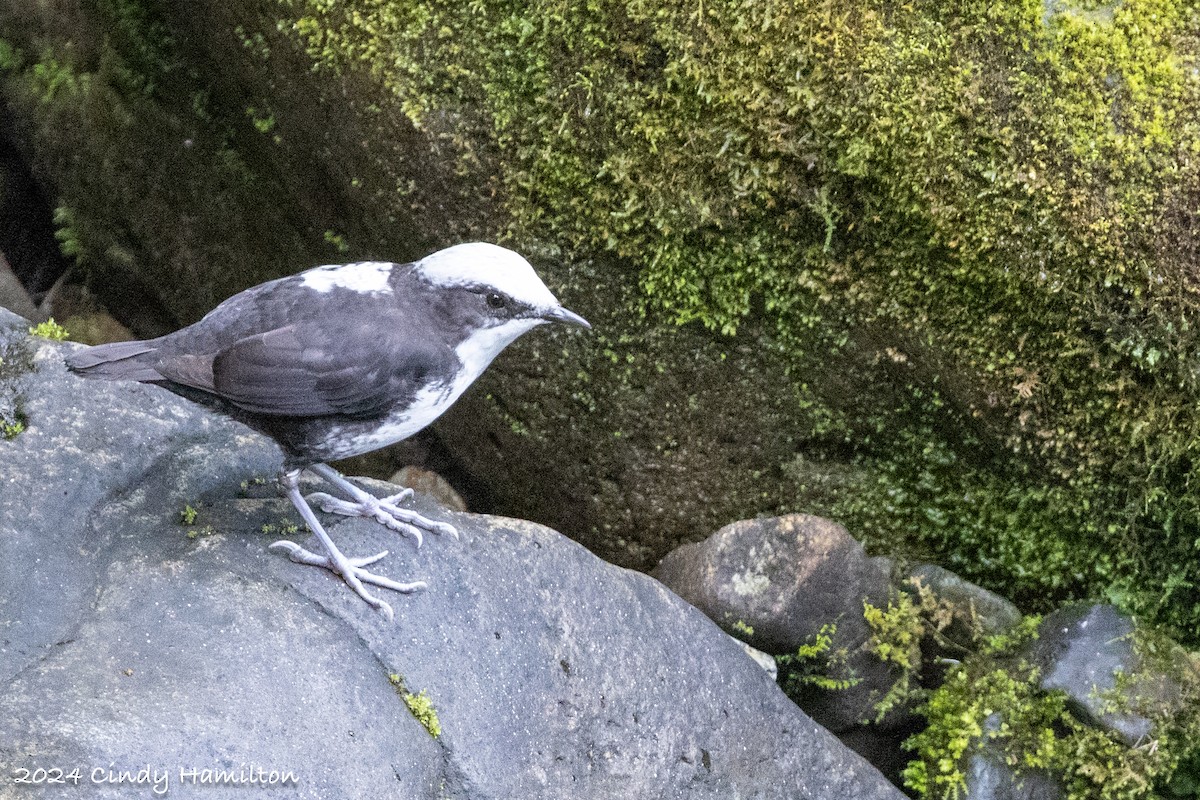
x: 384, y: 510
x: 350, y: 569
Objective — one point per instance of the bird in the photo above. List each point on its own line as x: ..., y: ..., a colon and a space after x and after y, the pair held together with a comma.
x: 343, y: 359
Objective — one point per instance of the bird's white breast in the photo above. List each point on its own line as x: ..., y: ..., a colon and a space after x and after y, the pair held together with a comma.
x: 475, y: 354
x: 426, y: 406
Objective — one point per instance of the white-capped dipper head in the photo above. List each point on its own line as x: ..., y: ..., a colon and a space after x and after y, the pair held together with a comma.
x: 483, y: 266
x: 501, y: 298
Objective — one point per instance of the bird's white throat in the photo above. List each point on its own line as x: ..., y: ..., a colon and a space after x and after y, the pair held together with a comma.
x: 475, y: 353
x: 483, y: 345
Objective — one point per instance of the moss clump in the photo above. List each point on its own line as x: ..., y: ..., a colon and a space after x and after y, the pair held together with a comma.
x: 250, y: 486
x: 817, y: 664
x: 897, y: 634
x: 11, y: 429
x: 419, y: 704
x: 743, y: 628
x: 979, y: 214
x: 188, y: 515
x: 991, y: 703
x: 50, y: 330
x: 284, y: 527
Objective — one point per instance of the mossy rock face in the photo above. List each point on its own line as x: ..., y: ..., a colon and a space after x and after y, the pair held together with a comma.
x: 952, y: 247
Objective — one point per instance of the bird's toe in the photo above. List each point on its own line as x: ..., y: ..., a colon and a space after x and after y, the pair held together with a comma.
x: 351, y: 570
x: 400, y: 496
x: 333, y: 505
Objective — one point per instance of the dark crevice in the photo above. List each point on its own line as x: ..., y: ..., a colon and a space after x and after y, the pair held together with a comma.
x: 26, y: 219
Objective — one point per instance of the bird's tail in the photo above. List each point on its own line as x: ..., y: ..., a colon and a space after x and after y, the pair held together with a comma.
x: 119, y: 361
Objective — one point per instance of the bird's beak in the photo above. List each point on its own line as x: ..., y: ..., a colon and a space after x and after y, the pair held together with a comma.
x: 560, y: 314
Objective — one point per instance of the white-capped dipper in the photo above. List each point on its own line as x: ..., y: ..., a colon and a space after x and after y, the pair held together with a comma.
x: 341, y: 360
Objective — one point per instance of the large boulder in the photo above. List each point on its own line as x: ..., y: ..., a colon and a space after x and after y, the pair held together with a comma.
x: 777, y: 583
x: 136, y: 643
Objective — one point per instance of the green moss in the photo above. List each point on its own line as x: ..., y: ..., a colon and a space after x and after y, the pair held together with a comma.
x: 188, y: 515
x: 50, y: 330
x: 896, y: 632
x: 337, y: 241
x: 419, y: 704
x: 11, y: 429
x: 995, y: 699
x: 10, y: 57
x: 973, y: 211
x: 896, y: 635
x: 263, y: 121
x: 188, y: 518
x: 67, y: 234
x: 255, y: 481
x: 284, y: 527
x: 816, y: 663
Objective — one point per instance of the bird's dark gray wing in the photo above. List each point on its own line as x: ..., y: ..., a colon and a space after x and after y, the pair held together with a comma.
x: 312, y: 370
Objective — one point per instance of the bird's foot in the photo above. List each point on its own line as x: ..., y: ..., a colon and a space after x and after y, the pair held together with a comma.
x: 385, y: 510
x: 352, y: 572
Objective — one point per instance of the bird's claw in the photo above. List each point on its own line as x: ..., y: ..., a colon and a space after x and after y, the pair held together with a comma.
x: 352, y: 572
x: 399, y: 496
x: 363, y: 504
x: 386, y: 512
x: 301, y: 556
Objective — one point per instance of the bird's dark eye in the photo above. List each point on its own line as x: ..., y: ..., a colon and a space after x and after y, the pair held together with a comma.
x: 495, y: 300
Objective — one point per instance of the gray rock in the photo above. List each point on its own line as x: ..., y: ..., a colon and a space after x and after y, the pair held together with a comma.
x: 989, y: 776
x: 784, y: 577
x: 128, y: 644
x: 775, y: 583
x: 1090, y: 652
x: 977, y: 611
